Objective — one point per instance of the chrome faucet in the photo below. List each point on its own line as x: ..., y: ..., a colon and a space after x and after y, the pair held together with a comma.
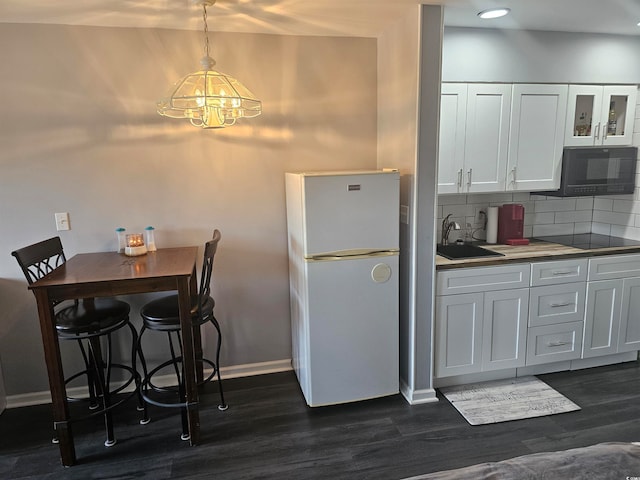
x: 447, y: 226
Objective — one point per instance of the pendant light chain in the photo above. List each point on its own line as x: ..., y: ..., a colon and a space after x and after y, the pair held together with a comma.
x: 206, y: 30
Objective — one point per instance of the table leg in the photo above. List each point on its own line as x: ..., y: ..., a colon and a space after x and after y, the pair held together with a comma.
x: 189, y: 361
x: 56, y: 377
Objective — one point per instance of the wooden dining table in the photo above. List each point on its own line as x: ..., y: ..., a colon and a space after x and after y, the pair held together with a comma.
x: 90, y: 275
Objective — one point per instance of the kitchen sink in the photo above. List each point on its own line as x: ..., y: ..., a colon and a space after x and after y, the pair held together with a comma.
x: 458, y: 252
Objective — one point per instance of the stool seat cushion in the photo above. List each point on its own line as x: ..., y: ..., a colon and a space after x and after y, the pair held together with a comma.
x: 103, y: 314
x: 163, y: 313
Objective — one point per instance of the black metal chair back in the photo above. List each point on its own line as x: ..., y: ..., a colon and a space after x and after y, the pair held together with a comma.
x: 40, y: 259
x: 204, y: 291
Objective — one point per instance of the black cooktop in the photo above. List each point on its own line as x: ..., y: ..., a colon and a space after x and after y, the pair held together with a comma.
x: 589, y: 240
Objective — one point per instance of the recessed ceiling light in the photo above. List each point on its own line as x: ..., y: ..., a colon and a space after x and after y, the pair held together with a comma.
x: 494, y: 13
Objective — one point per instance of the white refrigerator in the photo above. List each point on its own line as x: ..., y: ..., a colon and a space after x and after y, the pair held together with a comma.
x: 343, y: 240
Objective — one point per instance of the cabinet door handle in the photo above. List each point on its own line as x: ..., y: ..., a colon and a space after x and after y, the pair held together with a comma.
x: 460, y: 178
x: 565, y: 304
x: 557, y: 344
x: 597, y: 134
x: 515, y: 178
x: 469, y: 177
x: 563, y: 272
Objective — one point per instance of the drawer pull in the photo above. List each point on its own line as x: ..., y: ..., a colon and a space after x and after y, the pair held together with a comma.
x: 565, y: 304
x: 557, y: 344
x: 565, y: 272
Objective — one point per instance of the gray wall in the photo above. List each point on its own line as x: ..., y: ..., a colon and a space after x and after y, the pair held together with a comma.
x: 488, y: 55
x: 80, y: 134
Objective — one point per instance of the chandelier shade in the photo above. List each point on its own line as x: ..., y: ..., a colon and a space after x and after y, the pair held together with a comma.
x: 208, y: 98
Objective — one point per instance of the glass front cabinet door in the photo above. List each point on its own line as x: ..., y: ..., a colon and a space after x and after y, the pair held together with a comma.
x: 600, y: 115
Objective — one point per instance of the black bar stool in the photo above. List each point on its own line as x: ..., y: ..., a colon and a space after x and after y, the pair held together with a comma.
x: 87, y: 322
x: 163, y: 315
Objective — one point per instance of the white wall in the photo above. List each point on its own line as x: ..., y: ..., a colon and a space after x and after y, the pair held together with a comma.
x: 409, y: 91
x: 397, y: 148
x: 491, y: 55
x: 80, y: 134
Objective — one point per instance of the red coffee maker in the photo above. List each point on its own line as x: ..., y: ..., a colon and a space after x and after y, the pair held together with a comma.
x: 511, y: 224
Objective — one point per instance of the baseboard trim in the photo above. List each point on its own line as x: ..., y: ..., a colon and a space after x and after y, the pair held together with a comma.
x: 234, y: 371
x: 417, y: 397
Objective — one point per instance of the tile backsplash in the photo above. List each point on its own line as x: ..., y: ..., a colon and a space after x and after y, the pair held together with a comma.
x: 543, y: 215
x: 609, y: 215
x: 617, y: 215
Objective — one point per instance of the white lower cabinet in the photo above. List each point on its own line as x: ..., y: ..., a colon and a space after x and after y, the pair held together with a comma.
x: 524, y: 315
x: 555, y: 304
x: 612, y: 321
x: 602, y: 320
x: 556, y: 315
x: 554, y: 343
x: 484, y: 329
x: 612, y: 318
x: 459, y: 334
x: 504, y: 329
x: 556, y: 311
x: 629, y: 337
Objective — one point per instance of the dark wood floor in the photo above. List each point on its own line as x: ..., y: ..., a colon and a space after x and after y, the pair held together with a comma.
x: 268, y: 432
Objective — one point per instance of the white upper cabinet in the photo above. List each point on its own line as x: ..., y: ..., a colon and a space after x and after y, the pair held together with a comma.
x: 536, y: 138
x: 600, y: 115
x: 497, y: 137
x: 474, y: 136
x: 487, y: 137
x: 453, y: 114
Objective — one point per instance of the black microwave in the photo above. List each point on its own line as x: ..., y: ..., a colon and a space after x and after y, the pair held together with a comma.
x: 596, y: 171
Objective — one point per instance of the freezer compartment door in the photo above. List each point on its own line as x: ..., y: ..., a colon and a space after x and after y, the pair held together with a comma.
x: 353, y: 330
x: 343, y: 212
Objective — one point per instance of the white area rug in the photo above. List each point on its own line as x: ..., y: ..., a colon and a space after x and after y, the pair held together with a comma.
x: 505, y: 400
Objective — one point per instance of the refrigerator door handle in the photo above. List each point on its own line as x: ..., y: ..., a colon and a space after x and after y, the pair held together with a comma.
x: 351, y: 254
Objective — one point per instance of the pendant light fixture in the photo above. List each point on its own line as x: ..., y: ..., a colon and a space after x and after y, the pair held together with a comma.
x: 208, y: 98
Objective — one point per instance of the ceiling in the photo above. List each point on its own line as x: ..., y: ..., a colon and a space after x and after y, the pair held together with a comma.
x: 366, y: 18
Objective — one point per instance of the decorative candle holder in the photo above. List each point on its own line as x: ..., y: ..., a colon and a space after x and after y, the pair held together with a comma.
x: 135, y: 245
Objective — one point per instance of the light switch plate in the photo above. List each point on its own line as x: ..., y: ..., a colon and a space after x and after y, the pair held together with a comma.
x: 62, y: 221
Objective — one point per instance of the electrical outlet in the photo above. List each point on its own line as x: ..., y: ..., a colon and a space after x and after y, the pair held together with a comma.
x: 62, y: 221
